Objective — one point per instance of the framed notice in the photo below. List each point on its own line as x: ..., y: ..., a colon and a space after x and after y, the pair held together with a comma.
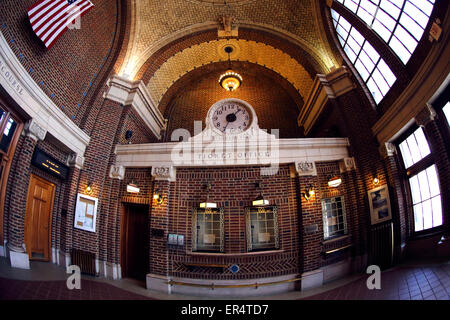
x: 85, y: 213
x: 380, y: 205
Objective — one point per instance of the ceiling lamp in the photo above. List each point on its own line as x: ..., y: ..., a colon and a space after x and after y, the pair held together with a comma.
x: 230, y: 80
x: 334, y: 182
x: 206, y: 204
x: 260, y: 201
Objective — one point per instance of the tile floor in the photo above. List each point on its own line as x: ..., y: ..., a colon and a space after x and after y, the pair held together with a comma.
x: 46, y: 281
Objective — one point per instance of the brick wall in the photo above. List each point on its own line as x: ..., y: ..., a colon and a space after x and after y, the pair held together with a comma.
x: 275, y: 106
x: 234, y: 189
x: 70, y: 72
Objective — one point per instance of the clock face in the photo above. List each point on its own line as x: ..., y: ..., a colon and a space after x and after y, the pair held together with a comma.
x: 231, y: 117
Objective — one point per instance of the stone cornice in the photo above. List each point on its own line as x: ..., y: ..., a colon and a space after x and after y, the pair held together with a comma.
x: 135, y: 93
x: 29, y: 96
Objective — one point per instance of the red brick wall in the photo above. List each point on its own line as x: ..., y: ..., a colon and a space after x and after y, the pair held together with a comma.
x: 275, y: 106
x: 70, y: 72
x: 234, y: 189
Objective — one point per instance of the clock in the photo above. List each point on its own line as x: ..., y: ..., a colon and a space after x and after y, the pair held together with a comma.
x: 230, y: 116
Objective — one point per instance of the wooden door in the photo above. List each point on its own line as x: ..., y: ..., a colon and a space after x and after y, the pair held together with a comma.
x: 38, y: 218
x: 135, y: 241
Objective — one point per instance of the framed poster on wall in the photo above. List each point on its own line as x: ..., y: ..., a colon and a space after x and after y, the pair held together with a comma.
x: 85, y: 213
x: 380, y: 205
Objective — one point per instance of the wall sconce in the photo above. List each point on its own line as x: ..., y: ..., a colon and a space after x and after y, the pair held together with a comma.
x: 132, y: 187
x: 158, y: 197
x: 89, y: 188
x: 334, y: 182
x: 376, y: 181
x: 206, y: 204
x: 259, y: 201
x: 309, y: 192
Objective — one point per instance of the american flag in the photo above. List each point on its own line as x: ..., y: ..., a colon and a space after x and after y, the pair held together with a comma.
x: 51, y: 18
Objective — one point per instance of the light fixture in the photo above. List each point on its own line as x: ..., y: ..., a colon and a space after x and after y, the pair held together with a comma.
x: 158, y: 197
x: 230, y: 80
x: 376, y: 181
x: 309, y: 192
x: 206, y: 204
x: 260, y: 201
x: 334, y: 182
x: 132, y: 187
x: 89, y: 188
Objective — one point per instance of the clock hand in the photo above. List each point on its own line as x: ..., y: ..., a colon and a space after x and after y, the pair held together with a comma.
x: 226, y: 126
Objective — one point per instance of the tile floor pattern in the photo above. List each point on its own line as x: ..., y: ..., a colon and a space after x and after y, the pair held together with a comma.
x: 401, y: 283
x: 57, y: 290
x: 425, y: 283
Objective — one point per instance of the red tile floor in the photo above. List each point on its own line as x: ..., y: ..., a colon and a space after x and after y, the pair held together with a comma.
x: 404, y: 282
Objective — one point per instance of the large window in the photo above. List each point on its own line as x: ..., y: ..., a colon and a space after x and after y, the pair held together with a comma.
x: 262, y: 228
x: 334, y: 219
x: 423, y: 181
x: 207, y: 230
x: 400, y: 23
x: 371, y: 67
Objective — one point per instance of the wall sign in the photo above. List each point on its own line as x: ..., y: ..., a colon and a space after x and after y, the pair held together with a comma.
x: 86, y: 213
x: 49, y: 164
x: 380, y: 205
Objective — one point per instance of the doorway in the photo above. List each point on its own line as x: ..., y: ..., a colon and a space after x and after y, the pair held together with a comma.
x: 135, y: 241
x: 38, y: 217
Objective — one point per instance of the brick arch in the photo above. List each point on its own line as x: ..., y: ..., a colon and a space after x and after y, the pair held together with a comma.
x: 276, y: 101
x: 154, y: 62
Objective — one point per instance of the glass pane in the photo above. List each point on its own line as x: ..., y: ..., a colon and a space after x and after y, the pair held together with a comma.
x: 386, y: 20
x: 446, y: 110
x: 414, y: 148
x: 384, y: 32
x: 409, y: 42
x: 433, y: 180
x: 427, y: 215
x: 437, y: 211
x: 406, y: 154
x: 416, y: 14
x: 400, y: 50
x: 386, y: 72
x: 411, y: 26
x: 377, y: 96
x: 418, y: 217
x: 390, y: 8
x: 8, y: 134
x: 422, y: 143
x: 362, y: 70
x: 424, y: 185
x: 415, y: 189
x: 379, y: 80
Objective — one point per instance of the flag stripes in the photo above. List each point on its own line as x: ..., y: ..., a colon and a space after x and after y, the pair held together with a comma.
x: 51, y: 18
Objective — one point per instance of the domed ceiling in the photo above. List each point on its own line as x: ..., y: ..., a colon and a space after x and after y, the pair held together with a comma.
x: 170, y: 39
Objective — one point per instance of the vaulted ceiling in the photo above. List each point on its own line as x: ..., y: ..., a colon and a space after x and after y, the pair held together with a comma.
x: 170, y: 38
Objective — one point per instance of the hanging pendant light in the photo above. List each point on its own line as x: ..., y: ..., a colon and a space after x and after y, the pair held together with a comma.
x: 230, y: 80
x: 206, y: 204
x: 260, y: 201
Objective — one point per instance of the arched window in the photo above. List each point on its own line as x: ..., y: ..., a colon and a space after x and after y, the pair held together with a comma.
x: 371, y: 67
x: 400, y: 23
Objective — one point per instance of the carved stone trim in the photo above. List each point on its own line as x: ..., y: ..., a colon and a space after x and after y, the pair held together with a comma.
x: 426, y: 115
x: 347, y: 164
x: 34, y: 130
x: 167, y: 173
x: 117, y: 172
x: 76, y: 161
x: 306, y: 168
x: 387, y: 150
